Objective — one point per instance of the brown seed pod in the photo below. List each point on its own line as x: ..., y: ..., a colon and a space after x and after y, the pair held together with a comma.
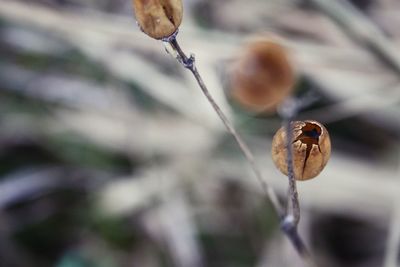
x: 262, y: 76
x: 311, y: 148
x: 158, y: 18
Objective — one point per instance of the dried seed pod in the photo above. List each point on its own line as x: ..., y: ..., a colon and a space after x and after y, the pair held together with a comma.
x: 311, y: 148
x: 262, y: 76
x: 158, y: 18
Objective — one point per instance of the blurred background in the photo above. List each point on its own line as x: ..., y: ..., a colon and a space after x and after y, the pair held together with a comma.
x: 110, y: 156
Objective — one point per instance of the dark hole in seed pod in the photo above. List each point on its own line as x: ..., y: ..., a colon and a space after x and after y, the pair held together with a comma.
x: 309, y: 136
x: 312, y: 133
x: 311, y: 130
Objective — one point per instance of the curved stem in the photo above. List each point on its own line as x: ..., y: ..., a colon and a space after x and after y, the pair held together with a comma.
x: 288, y: 224
x: 188, y: 62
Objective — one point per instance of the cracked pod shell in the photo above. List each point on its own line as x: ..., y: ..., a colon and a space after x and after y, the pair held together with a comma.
x: 158, y: 18
x: 311, y: 148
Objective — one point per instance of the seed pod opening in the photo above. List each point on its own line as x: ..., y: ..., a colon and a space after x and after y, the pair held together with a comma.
x: 158, y: 18
x: 311, y: 148
x: 262, y: 76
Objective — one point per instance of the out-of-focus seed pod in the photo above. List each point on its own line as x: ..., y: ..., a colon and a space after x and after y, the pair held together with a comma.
x: 311, y: 148
x: 262, y: 76
x: 158, y: 18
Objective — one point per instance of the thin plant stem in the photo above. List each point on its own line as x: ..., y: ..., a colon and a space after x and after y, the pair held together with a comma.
x: 293, y: 208
x: 288, y: 224
x: 188, y: 62
x: 287, y: 112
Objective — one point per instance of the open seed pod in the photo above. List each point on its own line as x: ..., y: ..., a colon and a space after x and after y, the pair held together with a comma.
x: 158, y: 18
x: 311, y: 148
x: 262, y: 76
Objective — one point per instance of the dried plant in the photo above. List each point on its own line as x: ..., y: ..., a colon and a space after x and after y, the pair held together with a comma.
x: 262, y: 80
x: 262, y: 76
x: 311, y: 148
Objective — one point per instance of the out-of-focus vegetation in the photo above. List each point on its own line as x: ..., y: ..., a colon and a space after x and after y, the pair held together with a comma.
x: 110, y: 156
